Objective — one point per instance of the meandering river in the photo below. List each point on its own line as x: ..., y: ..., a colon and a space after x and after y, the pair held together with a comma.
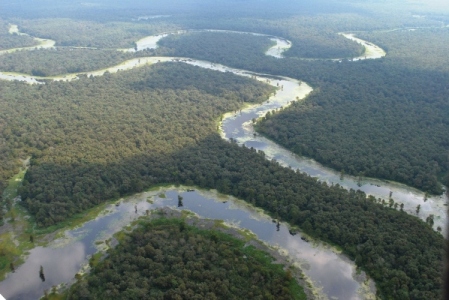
x: 331, y: 274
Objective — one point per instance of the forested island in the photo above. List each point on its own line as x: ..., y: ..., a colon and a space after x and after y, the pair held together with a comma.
x: 101, y: 138
x: 166, y: 258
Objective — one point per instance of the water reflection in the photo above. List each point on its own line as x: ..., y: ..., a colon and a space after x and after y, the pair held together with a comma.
x: 330, y: 272
x: 151, y: 42
x: 239, y: 127
x: 57, y: 263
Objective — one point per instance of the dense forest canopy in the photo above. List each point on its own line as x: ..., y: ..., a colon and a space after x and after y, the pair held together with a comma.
x: 166, y: 258
x: 394, y: 126
x: 95, y: 139
x: 149, y: 111
x: 421, y: 49
x: 77, y: 33
x: 136, y: 105
x: 9, y: 41
x: 210, y: 45
x: 384, y: 119
x: 379, y: 134
x: 86, y: 163
x: 61, y: 61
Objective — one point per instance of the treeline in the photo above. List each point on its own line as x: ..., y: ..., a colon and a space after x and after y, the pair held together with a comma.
x: 313, y: 36
x: 381, y: 118
x: 168, y: 259
x: 400, y: 252
x: 414, y: 48
x: 330, y: 45
x: 311, y: 39
x: 78, y: 33
x: 311, y: 43
x: 9, y: 41
x: 374, y: 129
x: 386, y: 119
x: 135, y: 135
x: 105, y: 119
x: 51, y: 62
x: 215, y: 46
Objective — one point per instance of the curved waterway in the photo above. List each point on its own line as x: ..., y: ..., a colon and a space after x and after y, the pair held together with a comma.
x: 238, y: 126
x: 330, y: 273
x: 151, y: 42
x: 40, y: 43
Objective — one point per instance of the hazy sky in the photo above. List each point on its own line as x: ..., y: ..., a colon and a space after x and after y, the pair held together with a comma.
x: 431, y: 4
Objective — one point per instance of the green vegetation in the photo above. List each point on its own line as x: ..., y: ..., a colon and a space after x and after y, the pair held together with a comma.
x: 168, y: 258
x: 392, y: 126
x: 127, y: 140
x: 9, y: 41
x: 97, y: 139
x: 312, y: 36
x: 79, y: 33
x: 8, y: 196
x: 386, y: 119
x: 156, y: 125
x: 17, y: 235
x: 146, y: 113
x: 414, y: 49
x: 211, y: 46
x: 61, y: 61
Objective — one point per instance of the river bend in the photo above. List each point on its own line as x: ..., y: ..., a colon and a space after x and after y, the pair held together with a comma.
x: 331, y: 274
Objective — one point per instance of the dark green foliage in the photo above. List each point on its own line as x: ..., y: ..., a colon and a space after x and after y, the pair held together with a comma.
x: 77, y: 33
x: 394, y: 126
x: 136, y: 135
x: 388, y: 244
x: 167, y: 259
x: 101, y: 138
x: 384, y: 119
x: 61, y: 61
x: 216, y: 46
x: 86, y: 128
x: 9, y: 41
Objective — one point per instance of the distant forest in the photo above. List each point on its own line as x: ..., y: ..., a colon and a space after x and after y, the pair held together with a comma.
x: 387, y: 119
x: 9, y: 41
x: 384, y: 118
x: 51, y: 62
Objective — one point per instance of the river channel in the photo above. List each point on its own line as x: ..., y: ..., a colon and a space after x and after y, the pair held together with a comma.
x: 332, y: 275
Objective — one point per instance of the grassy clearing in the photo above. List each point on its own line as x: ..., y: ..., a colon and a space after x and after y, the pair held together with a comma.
x: 14, y: 183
